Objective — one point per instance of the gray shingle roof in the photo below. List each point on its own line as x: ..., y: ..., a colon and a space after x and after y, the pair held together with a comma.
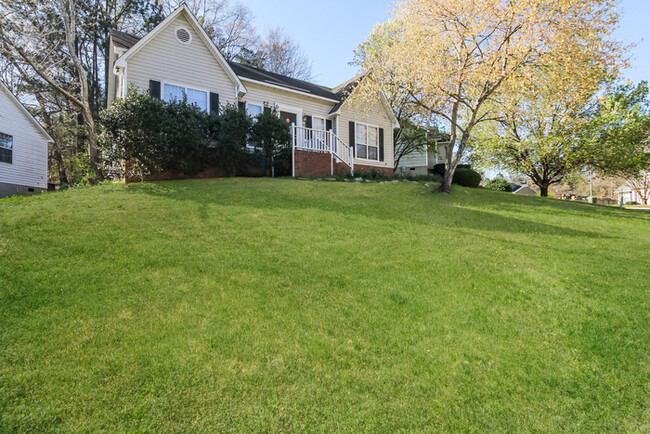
x: 124, y: 40
x: 257, y: 74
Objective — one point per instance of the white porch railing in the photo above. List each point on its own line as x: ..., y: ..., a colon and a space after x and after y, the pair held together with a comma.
x: 309, y: 139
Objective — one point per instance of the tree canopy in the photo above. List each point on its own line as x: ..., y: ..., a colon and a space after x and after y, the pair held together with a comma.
x: 456, y: 60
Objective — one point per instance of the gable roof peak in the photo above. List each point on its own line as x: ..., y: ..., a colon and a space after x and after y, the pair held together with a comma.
x: 26, y: 112
x: 182, y: 9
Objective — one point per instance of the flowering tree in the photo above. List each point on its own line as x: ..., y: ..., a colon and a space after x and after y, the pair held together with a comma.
x: 457, y: 58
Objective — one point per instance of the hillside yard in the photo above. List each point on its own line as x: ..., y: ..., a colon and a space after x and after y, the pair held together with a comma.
x: 271, y: 305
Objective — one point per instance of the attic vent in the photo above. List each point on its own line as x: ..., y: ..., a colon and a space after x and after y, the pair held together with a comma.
x: 183, y: 35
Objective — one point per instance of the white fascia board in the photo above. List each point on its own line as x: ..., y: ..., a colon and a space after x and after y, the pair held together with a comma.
x: 27, y: 113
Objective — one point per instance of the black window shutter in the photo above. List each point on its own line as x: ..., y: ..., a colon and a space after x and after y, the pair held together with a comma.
x: 154, y: 89
x: 241, y: 105
x: 214, y: 103
x: 352, y: 140
x: 328, y: 124
x: 381, y: 144
x: 308, y: 121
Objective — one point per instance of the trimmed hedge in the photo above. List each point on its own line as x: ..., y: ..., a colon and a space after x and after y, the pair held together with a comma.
x: 498, y: 184
x: 439, y: 169
x: 467, y: 177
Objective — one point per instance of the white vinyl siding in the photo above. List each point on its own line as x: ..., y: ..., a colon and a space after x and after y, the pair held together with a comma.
x: 375, y: 115
x: 287, y: 101
x: 6, y: 147
x: 29, y: 148
x: 192, y: 65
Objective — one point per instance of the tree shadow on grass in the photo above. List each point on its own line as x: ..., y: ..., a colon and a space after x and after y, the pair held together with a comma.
x: 402, y: 203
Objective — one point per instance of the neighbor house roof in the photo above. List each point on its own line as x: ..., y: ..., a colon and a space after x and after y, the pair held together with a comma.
x: 27, y: 114
x: 123, y: 39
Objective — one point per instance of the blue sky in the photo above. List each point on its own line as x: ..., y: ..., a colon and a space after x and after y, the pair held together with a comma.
x: 330, y: 31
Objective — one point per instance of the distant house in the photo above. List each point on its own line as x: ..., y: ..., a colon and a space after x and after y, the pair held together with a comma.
x: 178, y: 60
x: 627, y: 194
x: 23, y: 149
x: 523, y: 190
x: 421, y: 162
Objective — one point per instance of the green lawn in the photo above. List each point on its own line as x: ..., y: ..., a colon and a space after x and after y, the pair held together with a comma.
x: 272, y: 305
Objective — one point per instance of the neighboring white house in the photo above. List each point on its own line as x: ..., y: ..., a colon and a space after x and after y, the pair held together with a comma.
x: 627, y: 194
x: 23, y: 149
x: 178, y: 60
x: 421, y: 162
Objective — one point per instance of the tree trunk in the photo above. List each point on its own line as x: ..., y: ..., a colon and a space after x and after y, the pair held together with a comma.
x: 58, y: 157
x: 543, y: 190
x: 445, y: 187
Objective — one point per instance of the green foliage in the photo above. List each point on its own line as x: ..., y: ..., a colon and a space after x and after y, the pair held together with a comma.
x: 498, y: 184
x: 153, y: 136
x: 272, y: 139
x: 372, y: 174
x: 229, y: 150
x: 439, y: 169
x: 617, y: 140
x: 467, y: 177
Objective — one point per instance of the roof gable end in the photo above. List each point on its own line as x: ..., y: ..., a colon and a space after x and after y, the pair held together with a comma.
x: 26, y: 112
x: 183, y: 9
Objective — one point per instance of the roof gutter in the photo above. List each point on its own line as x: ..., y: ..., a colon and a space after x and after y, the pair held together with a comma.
x: 262, y: 83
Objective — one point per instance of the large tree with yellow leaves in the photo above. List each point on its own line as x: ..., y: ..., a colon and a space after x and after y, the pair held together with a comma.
x: 458, y: 59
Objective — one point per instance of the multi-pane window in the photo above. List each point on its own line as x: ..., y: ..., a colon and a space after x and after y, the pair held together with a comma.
x: 367, y: 138
x: 198, y: 98
x: 6, y: 148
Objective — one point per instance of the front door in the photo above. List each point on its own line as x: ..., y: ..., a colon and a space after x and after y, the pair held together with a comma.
x: 289, y: 118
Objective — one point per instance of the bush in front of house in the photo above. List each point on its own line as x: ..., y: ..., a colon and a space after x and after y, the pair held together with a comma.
x: 228, y: 150
x: 498, y: 184
x: 272, y: 139
x: 467, y: 177
x: 141, y: 135
x: 439, y: 169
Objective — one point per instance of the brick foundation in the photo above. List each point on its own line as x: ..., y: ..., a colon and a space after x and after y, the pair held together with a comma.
x: 315, y: 164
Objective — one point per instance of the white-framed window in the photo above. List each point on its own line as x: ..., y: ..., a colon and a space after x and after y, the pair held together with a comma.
x: 367, y: 142
x: 253, y: 109
x: 6, y: 148
x: 318, y: 123
x: 196, y: 97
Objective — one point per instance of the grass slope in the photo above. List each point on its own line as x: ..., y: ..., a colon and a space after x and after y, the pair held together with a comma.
x: 249, y: 304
